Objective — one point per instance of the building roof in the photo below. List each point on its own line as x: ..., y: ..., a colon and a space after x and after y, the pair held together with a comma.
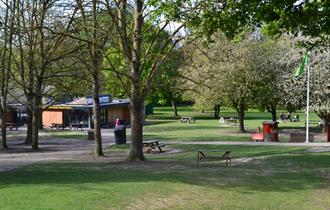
x: 87, y: 102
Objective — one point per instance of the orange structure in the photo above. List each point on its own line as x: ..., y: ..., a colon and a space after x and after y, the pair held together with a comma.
x: 80, y: 111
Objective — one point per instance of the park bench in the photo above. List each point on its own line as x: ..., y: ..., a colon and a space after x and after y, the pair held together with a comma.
x: 11, y: 126
x: 187, y: 119
x: 151, y: 145
x: 210, y: 155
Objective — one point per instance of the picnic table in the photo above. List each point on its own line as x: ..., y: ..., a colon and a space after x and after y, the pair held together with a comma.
x: 229, y: 120
x: 213, y: 155
x: 57, y: 126
x: 11, y: 126
x: 151, y: 145
x: 76, y: 126
x: 187, y: 119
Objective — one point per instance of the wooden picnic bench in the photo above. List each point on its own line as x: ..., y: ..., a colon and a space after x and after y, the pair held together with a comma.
x: 151, y: 145
x: 229, y: 120
x: 11, y: 126
x: 205, y: 155
x: 57, y: 126
x: 76, y: 126
x: 187, y: 119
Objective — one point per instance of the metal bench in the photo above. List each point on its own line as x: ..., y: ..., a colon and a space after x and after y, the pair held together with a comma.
x: 205, y: 155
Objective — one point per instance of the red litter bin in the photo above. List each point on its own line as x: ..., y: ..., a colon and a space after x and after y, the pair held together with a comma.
x: 270, y: 130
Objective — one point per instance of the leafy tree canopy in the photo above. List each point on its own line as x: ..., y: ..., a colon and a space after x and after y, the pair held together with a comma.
x: 274, y: 16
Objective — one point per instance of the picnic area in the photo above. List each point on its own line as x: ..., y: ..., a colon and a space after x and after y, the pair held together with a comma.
x: 201, y: 165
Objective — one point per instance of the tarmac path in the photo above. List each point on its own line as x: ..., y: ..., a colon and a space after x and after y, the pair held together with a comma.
x: 73, y: 149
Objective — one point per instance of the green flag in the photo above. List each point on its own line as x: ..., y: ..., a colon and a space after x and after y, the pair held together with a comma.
x: 301, y: 68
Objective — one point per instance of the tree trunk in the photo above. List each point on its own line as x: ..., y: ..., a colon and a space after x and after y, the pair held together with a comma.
x: 175, y: 110
x: 216, y: 111
x: 3, y: 131
x: 241, y: 114
x: 136, y: 110
x: 241, y: 121
x: 36, y: 122
x: 136, y: 94
x: 97, y: 118
x: 273, y: 111
x: 28, y: 139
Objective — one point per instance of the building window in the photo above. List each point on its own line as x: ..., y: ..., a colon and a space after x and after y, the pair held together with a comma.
x: 104, y: 115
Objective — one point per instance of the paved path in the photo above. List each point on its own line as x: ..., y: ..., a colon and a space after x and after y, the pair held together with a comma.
x: 73, y: 149
x: 50, y: 150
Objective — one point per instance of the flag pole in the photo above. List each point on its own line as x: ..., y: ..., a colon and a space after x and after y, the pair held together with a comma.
x: 307, y: 101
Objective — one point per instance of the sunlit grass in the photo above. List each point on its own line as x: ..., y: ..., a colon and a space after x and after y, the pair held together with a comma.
x: 272, y: 178
x: 162, y: 125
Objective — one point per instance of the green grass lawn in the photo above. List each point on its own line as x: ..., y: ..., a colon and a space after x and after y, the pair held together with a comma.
x: 65, y: 134
x: 162, y: 125
x: 259, y: 178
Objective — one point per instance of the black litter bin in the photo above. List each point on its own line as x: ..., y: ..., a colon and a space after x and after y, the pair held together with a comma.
x: 120, y: 134
x: 90, y: 134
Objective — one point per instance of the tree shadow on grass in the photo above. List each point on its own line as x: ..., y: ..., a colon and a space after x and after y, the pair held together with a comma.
x: 281, y: 174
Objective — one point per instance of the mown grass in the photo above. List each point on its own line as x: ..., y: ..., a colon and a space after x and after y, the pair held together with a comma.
x: 273, y: 178
x: 162, y: 125
x: 260, y: 177
x: 65, y: 134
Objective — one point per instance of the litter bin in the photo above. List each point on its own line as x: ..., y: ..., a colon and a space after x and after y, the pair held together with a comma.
x: 90, y: 134
x: 120, y: 134
x: 270, y: 130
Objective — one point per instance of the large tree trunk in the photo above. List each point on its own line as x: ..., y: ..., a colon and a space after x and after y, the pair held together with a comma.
x: 273, y: 112
x: 175, y: 110
x: 241, y: 121
x: 216, y: 111
x: 36, y: 122
x: 241, y: 114
x: 3, y: 131
x: 97, y: 118
x: 137, y: 118
x: 136, y: 97
x: 28, y: 139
